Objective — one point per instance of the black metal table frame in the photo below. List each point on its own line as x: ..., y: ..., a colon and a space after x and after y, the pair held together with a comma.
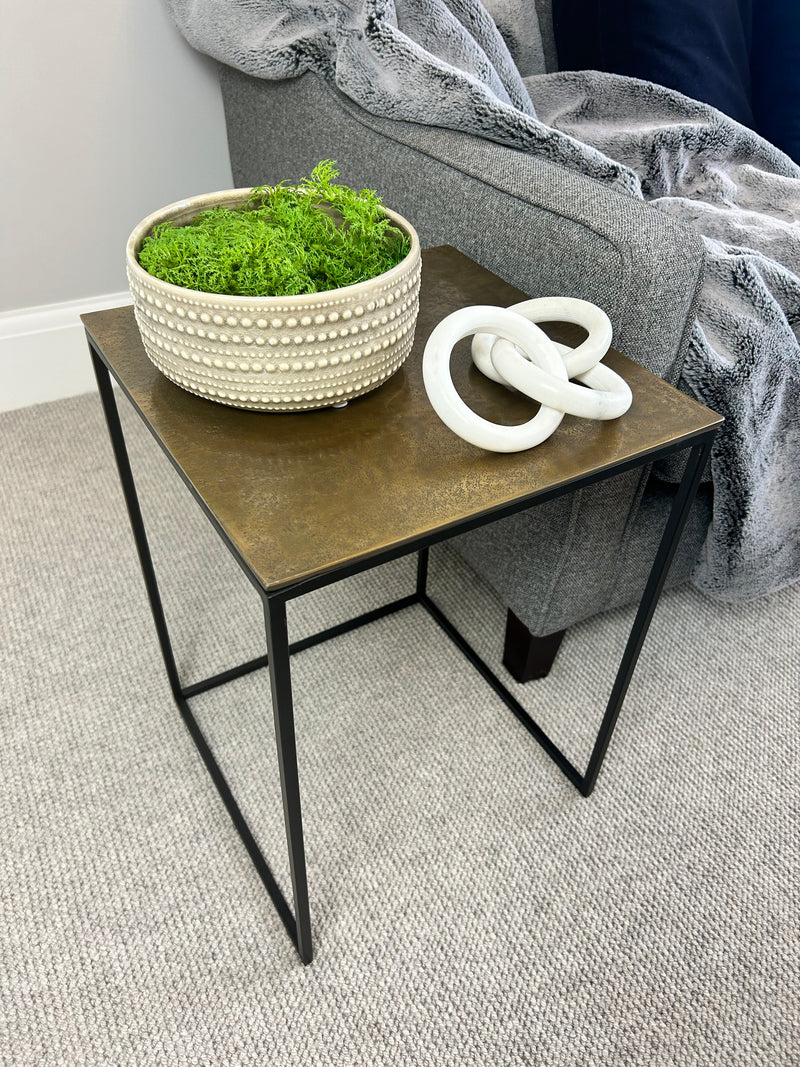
x: 279, y: 649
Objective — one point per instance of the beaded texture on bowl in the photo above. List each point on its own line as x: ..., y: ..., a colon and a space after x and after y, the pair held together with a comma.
x: 291, y: 353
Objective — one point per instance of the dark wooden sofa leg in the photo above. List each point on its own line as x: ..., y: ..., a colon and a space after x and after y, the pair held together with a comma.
x: 527, y: 657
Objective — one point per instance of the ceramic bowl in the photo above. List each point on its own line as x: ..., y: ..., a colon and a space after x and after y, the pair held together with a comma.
x: 273, y: 353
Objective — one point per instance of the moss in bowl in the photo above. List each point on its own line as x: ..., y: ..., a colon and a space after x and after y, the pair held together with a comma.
x: 278, y: 299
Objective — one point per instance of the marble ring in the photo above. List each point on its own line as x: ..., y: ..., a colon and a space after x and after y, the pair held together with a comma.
x: 511, y: 349
x: 444, y: 397
x: 556, y: 309
x: 596, y: 402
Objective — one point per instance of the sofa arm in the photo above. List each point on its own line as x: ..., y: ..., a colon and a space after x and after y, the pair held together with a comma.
x: 545, y: 229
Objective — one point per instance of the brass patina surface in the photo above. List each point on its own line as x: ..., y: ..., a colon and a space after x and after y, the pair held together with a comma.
x: 299, y: 495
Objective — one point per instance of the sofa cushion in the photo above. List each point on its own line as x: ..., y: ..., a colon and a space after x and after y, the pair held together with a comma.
x: 547, y: 230
x: 740, y: 57
x: 702, y: 50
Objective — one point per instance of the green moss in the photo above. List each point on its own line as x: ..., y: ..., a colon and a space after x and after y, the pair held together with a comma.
x: 284, y: 241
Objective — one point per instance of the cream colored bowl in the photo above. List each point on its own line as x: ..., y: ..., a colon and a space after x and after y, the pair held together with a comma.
x: 271, y: 353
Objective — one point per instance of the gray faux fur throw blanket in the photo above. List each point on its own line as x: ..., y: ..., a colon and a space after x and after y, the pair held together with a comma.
x: 444, y: 63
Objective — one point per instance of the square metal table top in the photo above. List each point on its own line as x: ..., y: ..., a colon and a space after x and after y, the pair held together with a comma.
x: 301, y: 496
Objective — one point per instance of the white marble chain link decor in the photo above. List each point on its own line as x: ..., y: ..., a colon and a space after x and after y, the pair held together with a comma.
x: 510, y: 348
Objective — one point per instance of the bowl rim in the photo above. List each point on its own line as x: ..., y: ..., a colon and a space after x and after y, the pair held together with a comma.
x: 196, y: 204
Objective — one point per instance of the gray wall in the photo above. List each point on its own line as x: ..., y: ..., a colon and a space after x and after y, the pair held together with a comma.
x: 107, y: 115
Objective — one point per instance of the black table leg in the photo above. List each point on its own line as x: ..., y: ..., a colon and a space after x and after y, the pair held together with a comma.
x: 584, y: 782
x: 679, y: 512
x: 298, y: 926
x: 283, y: 713
x: 135, y: 515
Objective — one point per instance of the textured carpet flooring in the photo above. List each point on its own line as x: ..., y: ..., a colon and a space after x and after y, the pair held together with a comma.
x: 469, y: 908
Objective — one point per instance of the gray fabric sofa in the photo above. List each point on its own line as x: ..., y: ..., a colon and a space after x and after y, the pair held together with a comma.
x: 549, y: 231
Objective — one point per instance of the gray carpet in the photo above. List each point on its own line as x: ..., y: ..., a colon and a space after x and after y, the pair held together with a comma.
x: 468, y: 906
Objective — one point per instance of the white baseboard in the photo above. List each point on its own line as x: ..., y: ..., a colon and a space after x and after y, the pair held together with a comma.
x: 43, y: 351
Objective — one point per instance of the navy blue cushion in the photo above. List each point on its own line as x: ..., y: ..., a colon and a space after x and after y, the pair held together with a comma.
x: 740, y: 57
x: 776, y: 73
x: 699, y: 47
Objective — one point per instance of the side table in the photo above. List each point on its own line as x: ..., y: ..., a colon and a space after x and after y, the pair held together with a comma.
x: 380, y: 479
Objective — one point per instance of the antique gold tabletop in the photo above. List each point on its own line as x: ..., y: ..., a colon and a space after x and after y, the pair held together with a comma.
x: 301, y: 495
